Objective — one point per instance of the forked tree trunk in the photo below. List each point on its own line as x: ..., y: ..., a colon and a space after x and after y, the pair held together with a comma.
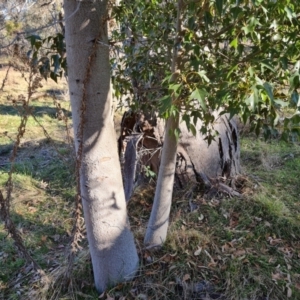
x: 111, y: 244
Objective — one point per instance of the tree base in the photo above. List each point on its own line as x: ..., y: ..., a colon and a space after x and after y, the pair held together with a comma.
x: 140, y: 144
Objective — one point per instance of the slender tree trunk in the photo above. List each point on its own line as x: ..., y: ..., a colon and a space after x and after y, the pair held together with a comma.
x: 159, y: 220
x: 111, y: 243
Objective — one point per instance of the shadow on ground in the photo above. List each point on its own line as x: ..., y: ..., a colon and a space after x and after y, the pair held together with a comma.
x: 36, y: 110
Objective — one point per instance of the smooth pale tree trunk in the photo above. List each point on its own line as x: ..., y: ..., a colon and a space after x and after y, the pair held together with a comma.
x: 111, y: 243
x: 159, y: 219
x: 156, y: 232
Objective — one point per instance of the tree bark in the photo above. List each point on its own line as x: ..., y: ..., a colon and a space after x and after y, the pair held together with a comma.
x: 111, y: 243
x: 159, y: 220
x: 196, y: 160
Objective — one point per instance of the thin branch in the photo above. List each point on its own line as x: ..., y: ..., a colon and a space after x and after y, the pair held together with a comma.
x: 18, y: 34
x: 5, y: 78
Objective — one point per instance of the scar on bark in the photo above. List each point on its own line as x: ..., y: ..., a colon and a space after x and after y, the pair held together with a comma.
x: 141, y: 132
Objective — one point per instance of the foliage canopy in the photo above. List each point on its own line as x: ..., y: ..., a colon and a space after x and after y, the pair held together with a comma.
x: 238, y: 56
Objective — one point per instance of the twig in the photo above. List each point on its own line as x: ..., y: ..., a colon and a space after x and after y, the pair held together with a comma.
x: 5, y: 78
x: 59, y: 21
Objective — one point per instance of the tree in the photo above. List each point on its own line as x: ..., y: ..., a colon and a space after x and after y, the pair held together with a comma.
x: 113, y: 253
x: 20, y: 18
x: 159, y: 219
x: 233, y: 57
x: 219, y: 69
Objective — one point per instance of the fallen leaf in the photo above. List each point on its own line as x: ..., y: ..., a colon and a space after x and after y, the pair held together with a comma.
x: 186, y: 277
x: 297, y: 286
x: 32, y: 209
x: 268, y: 224
x: 43, y: 238
x: 198, y: 251
x: 167, y: 258
x: 239, y: 252
x: 289, y: 291
x: 225, y: 247
x: 234, y: 220
x: 287, y: 251
x: 272, y: 260
x: 277, y: 276
x: 201, y: 217
x: 274, y: 242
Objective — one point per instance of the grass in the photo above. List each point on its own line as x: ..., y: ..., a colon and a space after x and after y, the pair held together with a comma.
x: 226, y: 249
x: 43, y: 184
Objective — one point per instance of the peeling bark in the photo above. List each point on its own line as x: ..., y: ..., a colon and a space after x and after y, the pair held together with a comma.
x: 196, y: 161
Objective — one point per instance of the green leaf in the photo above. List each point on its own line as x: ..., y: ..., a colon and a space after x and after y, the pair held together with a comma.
x: 253, y: 100
x: 202, y: 74
x: 297, y: 66
x: 251, y: 71
x: 259, y: 81
x: 200, y: 96
x: 233, y: 69
x: 165, y: 103
x: 33, y: 38
x: 55, y: 62
x: 196, y: 115
x: 266, y: 65
x: 294, y: 81
x: 193, y: 129
x: 236, y: 11
x: 207, y: 19
x: 219, y: 6
x: 247, y: 29
x: 269, y: 90
x: 38, y: 45
x: 175, y: 87
x: 295, y: 98
x: 289, y: 13
x: 281, y: 103
x: 284, y: 62
x: 186, y: 118
x: 53, y: 76
x: 234, y: 43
